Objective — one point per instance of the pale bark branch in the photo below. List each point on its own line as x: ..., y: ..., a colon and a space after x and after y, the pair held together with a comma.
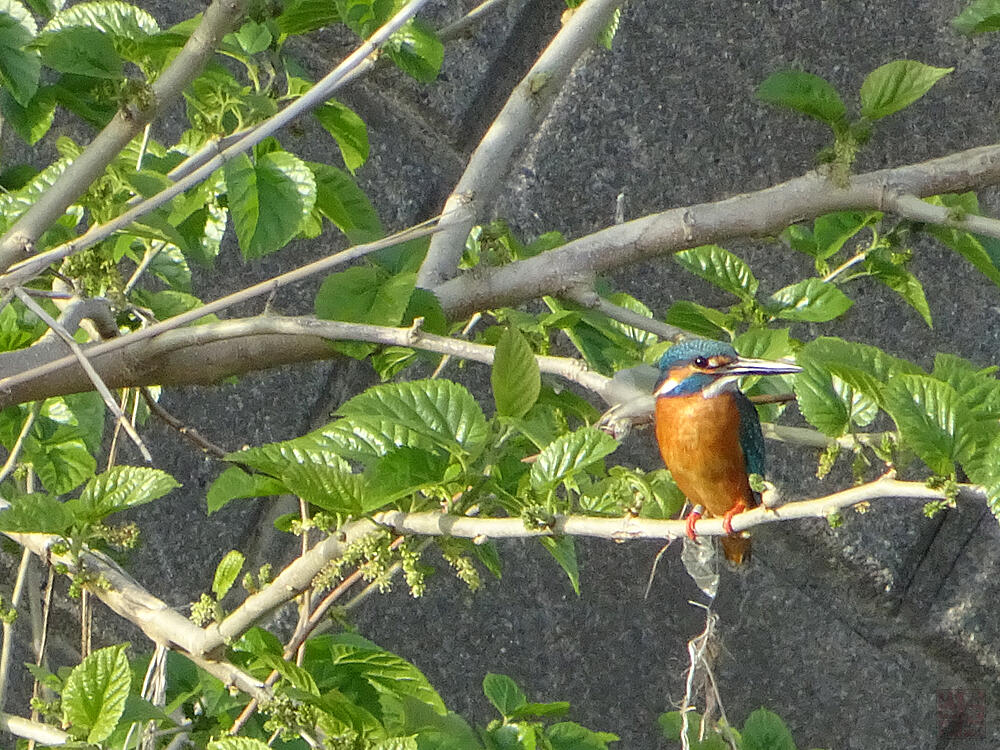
x: 528, y: 103
x: 45, y: 734
x: 319, y: 93
x: 219, y: 19
x: 434, y: 523
x: 761, y: 213
x: 590, y: 299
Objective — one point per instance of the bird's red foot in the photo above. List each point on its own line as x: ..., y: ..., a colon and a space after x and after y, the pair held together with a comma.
x: 727, y: 520
x: 692, y: 518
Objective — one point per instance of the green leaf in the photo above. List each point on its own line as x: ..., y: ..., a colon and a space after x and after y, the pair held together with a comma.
x: 831, y: 231
x: 819, y: 401
x: 563, y: 549
x: 974, y: 248
x: 20, y: 68
x: 109, y: 16
x: 764, y: 730
x: 122, y: 487
x: 83, y: 411
x: 253, y: 37
x: 568, y: 454
x: 764, y: 343
x: 540, y: 710
x: 640, y: 336
x: 32, y: 120
x: 226, y: 572
x: 36, y: 513
x: 94, y: 697
x: 503, y: 693
x: 896, y: 85
x: 238, y: 743
x: 235, y: 483
x: 401, y: 472
x: 810, y: 300
x: 365, y: 294
x: 568, y: 735
x: 416, y: 50
x: 932, y: 420
x: 82, y: 51
x: 341, y: 201
x: 303, y: 16
x: 384, y: 671
x: 978, y: 388
x: 904, y: 283
x: 421, y: 414
x: 348, y: 130
x: 700, y: 320
x: 720, y: 267
x: 800, y: 239
x: 515, y: 376
x: 804, y: 92
x: 62, y: 461
x: 980, y: 16
x: 292, y: 673
x: 269, y: 201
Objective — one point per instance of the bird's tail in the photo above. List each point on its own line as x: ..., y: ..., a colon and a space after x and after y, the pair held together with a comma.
x: 736, y: 548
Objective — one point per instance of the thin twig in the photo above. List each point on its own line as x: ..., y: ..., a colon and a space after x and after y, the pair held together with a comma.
x: 109, y: 399
x: 318, y: 94
x: 587, y: 297
x: 15, y: 450
x: 8, y: 627
x: 457, y: 28
x: 190, y: 433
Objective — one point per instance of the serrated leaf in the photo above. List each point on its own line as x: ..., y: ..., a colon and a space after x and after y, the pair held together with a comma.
x: 235, y: 483
x: 81, y: 51
x: 804, y: 92
x: 764, y: 730
x: 819, y: 401
x: 538, y: 710
x: 94, y: 697
x: 109, y: 16
x: 972, y: 247
x: 978, y: 388
x: 36, y: 513
x: 32, y: 120
x: 238, y: 743
x: 831, y: 231
x: 122, y: 487
x: 348, y: 130
x: 904, y: 283
x: 932, y: 420
x: 700, y: 320
x: 62, y: 461
x: 978, y: 17
x: 515, y: 377
x: 384, y: 671
x: 563, y: 550
x: 568, y: 454
x: 440, y: 412
x: 20, y: 68
x: 896, y: 85
x: 799, y: 238
x: 291, y: 672
x: 568, y: 735
x: 226, y: 572
x: 864, y: 357
x: 341, y: 201
x: 83, y: 411
x: 403, y: 471
x: 365, y: 294
x: 268, y: 201
x: 253, y: 37
x: 303, y: 16
x: 416, y: 50
x: 640, y: 336
x: 503, y: 693
x: 764, y: 343
x: 720, y: 267
x: 810, y: 300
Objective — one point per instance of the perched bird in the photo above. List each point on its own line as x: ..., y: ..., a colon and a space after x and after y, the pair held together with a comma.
x: 709, y: 433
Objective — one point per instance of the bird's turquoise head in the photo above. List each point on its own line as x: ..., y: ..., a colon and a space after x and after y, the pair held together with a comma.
x: 709, y: 367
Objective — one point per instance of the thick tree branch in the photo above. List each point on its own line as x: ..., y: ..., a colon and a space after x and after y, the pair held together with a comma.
x: 219, y: 19
x: 762, y: 213
x: 528, y: 103
x: 629, y: 527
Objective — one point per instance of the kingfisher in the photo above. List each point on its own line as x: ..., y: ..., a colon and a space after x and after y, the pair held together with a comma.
x: 709, y: 433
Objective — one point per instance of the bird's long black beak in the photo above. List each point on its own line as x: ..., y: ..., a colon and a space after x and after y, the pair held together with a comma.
x: 748, y: 366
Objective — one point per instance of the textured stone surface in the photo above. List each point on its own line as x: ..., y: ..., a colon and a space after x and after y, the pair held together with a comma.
x: 848, y: 633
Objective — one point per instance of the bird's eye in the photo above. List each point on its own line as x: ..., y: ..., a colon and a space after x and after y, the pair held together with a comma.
x: 701, y: 362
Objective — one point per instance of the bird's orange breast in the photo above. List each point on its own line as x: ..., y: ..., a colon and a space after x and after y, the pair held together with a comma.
x: 700, y: 444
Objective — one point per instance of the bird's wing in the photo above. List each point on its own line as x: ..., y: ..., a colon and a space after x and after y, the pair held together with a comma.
x: 751, y: 437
